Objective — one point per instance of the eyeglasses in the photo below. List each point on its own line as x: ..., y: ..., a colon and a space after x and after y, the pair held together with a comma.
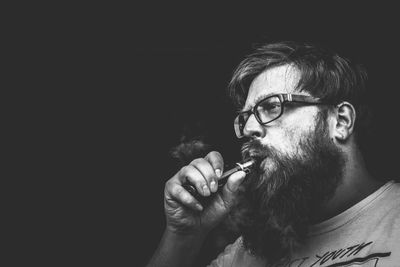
x: 270, y: 109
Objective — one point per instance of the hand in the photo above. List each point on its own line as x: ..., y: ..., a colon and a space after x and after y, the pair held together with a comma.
x: 185, y: 214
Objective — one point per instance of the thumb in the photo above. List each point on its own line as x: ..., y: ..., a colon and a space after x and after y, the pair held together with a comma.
x: 230, y: 190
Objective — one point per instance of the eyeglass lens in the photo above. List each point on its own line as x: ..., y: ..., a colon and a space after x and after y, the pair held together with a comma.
x: 265, y: 111
x: 269, y: 109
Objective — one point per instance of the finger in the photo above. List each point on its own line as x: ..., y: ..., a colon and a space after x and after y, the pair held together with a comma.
x: 175, y: 192
x: 192, y: 175
x: 217, y: 162
x: 205, y: 168
x: 230, y: 190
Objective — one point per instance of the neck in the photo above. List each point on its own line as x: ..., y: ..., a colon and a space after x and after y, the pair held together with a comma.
x: 356, y: 184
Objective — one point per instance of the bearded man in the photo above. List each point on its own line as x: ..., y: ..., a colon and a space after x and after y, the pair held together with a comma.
x: 309, y: 200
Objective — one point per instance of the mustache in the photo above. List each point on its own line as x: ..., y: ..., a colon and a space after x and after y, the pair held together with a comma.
x: 253, y: 149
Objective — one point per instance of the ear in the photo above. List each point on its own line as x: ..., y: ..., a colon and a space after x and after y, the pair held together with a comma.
x: 345, y: 120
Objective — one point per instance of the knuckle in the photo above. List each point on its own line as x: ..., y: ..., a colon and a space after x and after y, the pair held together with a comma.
x: 199, y: 183
x: 197, y: 161
x: 215, y: 154
x: 209, y: 176
x: 168, y: 184
x: 186, y: 171
x: 183, y: 170
x: 185, y: 198
x: 178, y: 191
x: 214, y: 157
x: 175, y: 191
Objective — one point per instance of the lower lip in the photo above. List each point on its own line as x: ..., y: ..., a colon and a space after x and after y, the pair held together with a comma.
x: 260, y: 162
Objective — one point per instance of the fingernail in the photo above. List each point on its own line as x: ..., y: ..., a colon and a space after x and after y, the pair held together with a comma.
x: 213, y: 186
x: 218, y: 173
x: 206, y: 190
x: 199, y: 207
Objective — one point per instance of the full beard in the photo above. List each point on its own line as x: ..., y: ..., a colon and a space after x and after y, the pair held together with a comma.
x: 278, y: 204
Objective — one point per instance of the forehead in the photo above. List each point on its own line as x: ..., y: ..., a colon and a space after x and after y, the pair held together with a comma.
x: 276, y: 80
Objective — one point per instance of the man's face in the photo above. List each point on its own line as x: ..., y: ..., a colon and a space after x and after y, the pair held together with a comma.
x: 284, y: 134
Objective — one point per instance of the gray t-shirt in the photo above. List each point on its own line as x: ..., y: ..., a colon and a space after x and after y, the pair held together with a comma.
x: 367, y: 234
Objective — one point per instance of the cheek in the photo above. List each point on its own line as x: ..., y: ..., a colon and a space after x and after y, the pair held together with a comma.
x: 283, y: 141
x: 286, y: 139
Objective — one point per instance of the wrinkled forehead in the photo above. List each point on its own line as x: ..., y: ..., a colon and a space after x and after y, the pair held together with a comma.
x: 276, y: 80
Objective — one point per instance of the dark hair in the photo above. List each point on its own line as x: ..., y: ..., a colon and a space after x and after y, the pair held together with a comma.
x: 323, y: 74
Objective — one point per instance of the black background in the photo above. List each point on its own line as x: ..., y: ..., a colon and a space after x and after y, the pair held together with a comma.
x: 117, y: 85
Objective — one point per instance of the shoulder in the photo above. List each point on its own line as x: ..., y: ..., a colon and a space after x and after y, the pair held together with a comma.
x: 392, y: 198
x: 396, y: 188
x: 390, y: 206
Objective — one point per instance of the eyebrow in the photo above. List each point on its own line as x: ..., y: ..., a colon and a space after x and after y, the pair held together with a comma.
x: 258, y: 99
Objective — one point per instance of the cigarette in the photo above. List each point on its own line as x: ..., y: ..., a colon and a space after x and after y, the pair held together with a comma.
x: 245, y: 166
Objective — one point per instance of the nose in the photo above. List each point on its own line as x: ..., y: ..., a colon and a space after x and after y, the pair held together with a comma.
x: 253, y: 129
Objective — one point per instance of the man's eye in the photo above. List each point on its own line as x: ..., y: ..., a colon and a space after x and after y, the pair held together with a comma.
x: 271, y: 106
